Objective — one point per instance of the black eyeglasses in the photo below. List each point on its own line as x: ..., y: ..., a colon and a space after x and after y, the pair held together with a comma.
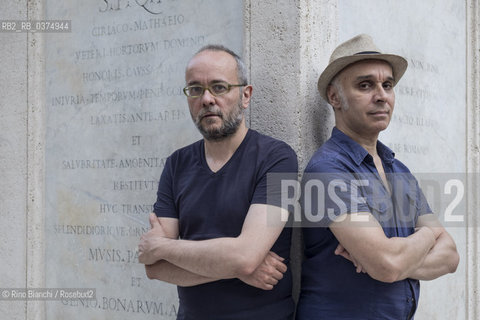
x: 216, y: 89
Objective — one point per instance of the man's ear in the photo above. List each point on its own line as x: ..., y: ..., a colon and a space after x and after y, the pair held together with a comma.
x: 246, y: 95
x: 333, y: 96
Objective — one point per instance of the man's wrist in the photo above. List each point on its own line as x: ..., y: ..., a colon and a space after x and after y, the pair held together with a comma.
x: 161, y: 251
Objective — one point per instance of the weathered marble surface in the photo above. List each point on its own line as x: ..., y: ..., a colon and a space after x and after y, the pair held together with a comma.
x: 115, y: 112
x: 428, y: 129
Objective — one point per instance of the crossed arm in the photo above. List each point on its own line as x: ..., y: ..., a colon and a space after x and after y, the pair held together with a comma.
x: 164, y: 270
x: 428, y: 253
x: 442, y: 258
x: 187, y: 263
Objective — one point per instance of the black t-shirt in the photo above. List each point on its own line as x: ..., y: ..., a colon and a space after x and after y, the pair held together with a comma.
x: 213, y: 205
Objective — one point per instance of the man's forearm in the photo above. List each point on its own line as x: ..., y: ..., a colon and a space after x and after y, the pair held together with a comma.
x: 415, y: 249
x: 384, y: 259
x: 219, y: 258
x: 396, y: 258
x: 167, y: 272
x: 265, y: 277
x: 214, y: 258
x: 442, y: 259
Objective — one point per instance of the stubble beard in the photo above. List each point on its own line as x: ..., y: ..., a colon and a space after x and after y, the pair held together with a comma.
x: 230, y: 123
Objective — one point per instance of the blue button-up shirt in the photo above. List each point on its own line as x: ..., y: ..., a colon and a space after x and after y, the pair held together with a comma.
x: 331, y: 288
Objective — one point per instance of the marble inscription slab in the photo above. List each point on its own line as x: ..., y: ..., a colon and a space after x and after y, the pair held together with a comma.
x: 115, y: 112
x: 427, y: 131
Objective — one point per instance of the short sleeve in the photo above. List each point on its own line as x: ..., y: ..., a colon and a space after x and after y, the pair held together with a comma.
x: 165, y: 204
x: 422, y: 204
x: 329, y: 190
x: 281, y: 162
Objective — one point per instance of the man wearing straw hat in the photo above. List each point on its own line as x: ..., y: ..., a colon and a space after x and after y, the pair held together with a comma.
x: 377, y: 236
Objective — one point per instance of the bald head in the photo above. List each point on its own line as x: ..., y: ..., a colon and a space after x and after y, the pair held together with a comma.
x: 241, y: 70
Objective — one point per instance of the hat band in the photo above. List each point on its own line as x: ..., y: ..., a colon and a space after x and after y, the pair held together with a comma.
x: 367, y: 52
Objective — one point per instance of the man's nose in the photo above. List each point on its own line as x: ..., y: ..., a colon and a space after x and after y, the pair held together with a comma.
x: 380, y: 93
x: 208, y: 98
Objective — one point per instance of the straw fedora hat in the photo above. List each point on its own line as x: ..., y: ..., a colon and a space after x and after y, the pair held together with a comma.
x: 356, y: 49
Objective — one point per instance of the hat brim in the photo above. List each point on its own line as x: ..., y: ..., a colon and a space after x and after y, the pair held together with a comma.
x: 398, y: 63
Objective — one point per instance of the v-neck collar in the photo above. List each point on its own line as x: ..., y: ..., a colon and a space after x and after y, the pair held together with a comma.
x: 203, y: 159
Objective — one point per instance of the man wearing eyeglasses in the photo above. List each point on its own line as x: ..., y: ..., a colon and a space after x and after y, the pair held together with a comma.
x: 213, y: 234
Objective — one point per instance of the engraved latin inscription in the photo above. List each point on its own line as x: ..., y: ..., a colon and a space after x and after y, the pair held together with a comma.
x: 115, y: 112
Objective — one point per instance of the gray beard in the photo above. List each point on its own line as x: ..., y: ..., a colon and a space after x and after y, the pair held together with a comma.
x: 230, y: 125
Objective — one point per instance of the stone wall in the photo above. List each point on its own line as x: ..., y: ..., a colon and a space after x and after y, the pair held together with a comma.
x: 88, y: 117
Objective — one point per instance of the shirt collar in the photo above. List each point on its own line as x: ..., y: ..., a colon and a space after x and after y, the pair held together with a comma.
x: 356, y: 152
